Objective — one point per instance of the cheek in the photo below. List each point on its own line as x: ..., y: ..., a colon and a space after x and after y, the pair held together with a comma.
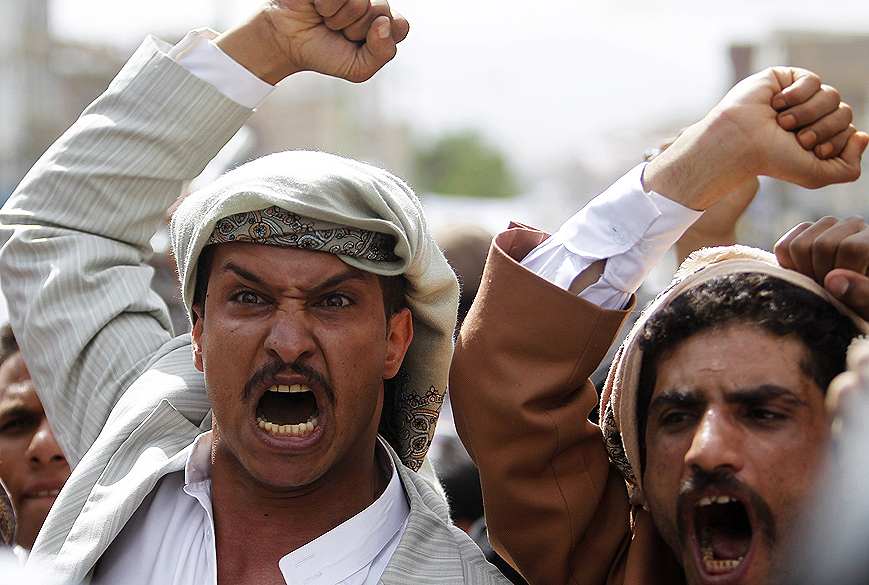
x: 13, y: 464
x: 662, y: 475
x: 792, y: 471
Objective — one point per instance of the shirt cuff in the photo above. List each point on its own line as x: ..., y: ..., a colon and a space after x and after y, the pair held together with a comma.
x: 200, y: 56
x: 625, y: 225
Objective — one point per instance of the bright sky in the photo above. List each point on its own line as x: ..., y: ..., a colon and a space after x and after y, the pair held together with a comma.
x: 540, y: 82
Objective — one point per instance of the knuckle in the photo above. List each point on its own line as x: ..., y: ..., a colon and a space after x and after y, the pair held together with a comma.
x: 799, y: 246
x: 832, y: 93
x: 853, y: 251
x: 826, y: 245
x: 855, y: 221
x: 847, y: 111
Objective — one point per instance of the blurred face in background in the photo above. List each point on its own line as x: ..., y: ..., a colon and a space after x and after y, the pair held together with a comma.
x: 31, y: 463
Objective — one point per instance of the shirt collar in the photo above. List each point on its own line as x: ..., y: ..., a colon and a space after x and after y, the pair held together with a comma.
x: 351, y: 546
x: 198, y: 466
x: 343, y: 551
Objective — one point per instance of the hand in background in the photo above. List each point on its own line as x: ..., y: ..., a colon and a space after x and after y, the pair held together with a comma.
x: 835, y: 253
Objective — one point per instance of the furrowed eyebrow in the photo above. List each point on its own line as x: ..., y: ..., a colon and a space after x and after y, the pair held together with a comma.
x: 765, y: 393
x: 686, y: 398
x: 340, y: 278
x: 330, y: 282
x: 758, y: 395
x: 245, y: 274
x: 15, y: 411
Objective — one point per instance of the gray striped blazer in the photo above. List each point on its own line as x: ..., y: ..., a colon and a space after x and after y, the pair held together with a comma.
x: 121, y: 392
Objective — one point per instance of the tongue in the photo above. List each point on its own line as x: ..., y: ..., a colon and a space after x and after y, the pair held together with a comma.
x: 729, y: 545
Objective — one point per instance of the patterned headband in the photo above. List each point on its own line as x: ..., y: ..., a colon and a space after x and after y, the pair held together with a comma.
x: 278, y: 227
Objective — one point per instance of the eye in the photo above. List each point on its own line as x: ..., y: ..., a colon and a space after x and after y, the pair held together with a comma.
x: 675, y: 418
x: 764, y: 415
x: 247, y: 297
x: 336, y: 300
x: 17, y: 425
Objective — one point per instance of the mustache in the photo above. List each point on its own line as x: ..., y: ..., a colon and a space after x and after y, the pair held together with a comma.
x: 763, y: 516
x: 272, y: 369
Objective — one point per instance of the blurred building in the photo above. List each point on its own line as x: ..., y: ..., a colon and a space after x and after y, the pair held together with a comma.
x: 315, y: 112
x: 44, y: 85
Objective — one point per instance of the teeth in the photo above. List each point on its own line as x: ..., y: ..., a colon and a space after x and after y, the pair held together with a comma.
x: 714, y: 566
x: 722, y: 566
x: 46, y: 493
x: 293, y: 388
x: 299, y: 430
x: 709, y: 500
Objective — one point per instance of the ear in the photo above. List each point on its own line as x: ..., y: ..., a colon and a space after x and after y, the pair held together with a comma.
x: 398, y: 340
x: 196, y: 333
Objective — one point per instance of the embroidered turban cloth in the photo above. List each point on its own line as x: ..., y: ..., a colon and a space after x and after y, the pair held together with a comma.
x: 7, y: 517
x: 368, y: 217
x: 618, y: 405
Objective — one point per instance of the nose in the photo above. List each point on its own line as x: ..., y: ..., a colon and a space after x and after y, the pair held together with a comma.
x: 716, y: 445
x: 290, y: 337
x: 43, y: 448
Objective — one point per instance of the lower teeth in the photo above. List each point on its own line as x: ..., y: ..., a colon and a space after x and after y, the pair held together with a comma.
x: 714, y: 565
x: 721, y: 566
x: 299, y: 430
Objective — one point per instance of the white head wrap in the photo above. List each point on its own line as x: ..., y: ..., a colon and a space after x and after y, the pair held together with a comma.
x: 344, y: 192
x: 618, y: 404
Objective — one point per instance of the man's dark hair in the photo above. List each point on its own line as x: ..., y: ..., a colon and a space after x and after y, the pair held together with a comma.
x: 8, y: 343
x: 775, y: 305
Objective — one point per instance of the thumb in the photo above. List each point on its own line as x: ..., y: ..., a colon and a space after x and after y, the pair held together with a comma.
x: 854, y: 149
x: 377, y: 50
x: 850, y: 288
x: 841, y: 169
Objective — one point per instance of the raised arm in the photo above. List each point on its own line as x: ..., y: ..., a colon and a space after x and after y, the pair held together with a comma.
x: 554, y: 505
x: 77, y: 229
x: 781, y: 122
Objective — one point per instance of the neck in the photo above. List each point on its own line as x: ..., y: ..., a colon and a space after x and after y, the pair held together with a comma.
x: 257, y: 524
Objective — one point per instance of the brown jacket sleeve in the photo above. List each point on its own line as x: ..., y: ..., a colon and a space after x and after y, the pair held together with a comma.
x: 555, y: 507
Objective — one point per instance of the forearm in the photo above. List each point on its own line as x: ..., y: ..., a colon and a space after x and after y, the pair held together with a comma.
x: 119, y: 167
x: 697, y: 170
x: 78, y: 228
x: 521, y: 400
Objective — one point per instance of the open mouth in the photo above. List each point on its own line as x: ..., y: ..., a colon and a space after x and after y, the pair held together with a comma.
x: 42, y: 494
x: 289, y: 411
x: 724, y: 533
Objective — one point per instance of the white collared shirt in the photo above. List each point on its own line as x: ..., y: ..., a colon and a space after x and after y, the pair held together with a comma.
x: 626, y: 225
x: 170, y: 538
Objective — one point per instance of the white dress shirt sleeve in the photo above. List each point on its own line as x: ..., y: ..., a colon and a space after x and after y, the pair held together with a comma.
x: 200, y: 56
x: 631, y: 228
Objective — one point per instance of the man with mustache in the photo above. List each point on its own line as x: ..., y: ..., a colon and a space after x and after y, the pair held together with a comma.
x: 713, y: 412
x: 322, y: 316
x: 291, y: 447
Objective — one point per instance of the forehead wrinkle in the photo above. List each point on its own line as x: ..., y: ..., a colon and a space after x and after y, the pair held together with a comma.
x: 349, y: 273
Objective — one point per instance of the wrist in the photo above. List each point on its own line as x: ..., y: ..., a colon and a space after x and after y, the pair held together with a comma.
x: 253, y: 45
x: 699, y: 167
